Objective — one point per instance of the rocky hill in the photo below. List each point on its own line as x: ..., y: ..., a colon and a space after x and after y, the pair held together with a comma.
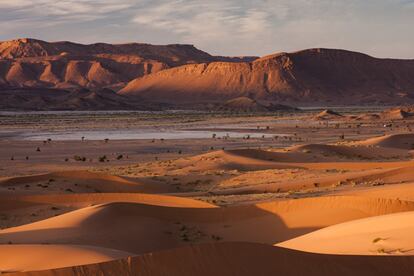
x: 182, y: 75
x: 309, y: 77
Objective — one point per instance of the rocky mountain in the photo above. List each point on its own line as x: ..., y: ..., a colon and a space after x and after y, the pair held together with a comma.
x: 143, y: 76
x: 309, y: 77
x: 67, y: 65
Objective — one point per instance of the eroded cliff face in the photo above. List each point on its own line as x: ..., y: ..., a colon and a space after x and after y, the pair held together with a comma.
x: 185, y: 76
x: 307, y: 77
x: 36, y: 63
x: 172, y: 54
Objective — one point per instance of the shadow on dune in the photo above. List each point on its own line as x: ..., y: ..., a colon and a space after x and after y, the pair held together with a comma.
x: 141, y: 228
x: 85, y: 181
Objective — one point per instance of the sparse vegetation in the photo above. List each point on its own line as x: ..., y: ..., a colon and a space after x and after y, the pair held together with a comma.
x: 79, y: 158
x: 102, y: 158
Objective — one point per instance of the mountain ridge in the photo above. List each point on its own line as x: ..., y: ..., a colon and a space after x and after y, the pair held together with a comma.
x: 182, y: 75
x: 310, y: 76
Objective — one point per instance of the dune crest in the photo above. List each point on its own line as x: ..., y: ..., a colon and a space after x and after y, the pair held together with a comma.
x: 41, y: 257
x: 388, y: 234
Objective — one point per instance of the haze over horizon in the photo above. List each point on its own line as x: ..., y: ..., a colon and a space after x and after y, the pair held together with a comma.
x: 379, y: 28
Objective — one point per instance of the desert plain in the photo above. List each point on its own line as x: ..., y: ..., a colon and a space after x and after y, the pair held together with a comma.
x: 302, y: 192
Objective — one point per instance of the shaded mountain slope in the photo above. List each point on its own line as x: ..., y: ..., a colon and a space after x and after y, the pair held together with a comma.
x: 307, y: 77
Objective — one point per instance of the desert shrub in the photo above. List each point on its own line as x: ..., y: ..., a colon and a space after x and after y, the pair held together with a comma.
x: 102, y: 158
x: 79, y: 158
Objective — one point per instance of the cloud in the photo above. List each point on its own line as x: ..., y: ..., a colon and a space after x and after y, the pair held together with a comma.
x: 43, y: 11
x: 238, y: 27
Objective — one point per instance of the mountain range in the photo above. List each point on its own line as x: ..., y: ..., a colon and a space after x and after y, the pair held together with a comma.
x: 39, y: 75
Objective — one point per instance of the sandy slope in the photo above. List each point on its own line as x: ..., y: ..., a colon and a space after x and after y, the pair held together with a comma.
x: 403, y: 191
x: 373, y: 214
x: 241, y: 259
x: 20, y: 210
x: 79, y: 182
x: 156, y: 227
x: 308, y: 181
x: 16, y: 202
x: 243, y: 160
x: 40, y: 257
x: 362, y: 152
x: 388, y: 234
x: 398, y: 141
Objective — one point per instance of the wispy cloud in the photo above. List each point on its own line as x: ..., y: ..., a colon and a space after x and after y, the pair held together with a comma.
x: 379, y: 27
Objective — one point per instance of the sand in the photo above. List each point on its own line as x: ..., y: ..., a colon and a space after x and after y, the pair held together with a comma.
x: 241, y: 259
x: 240, y: 210
x: 42, y: 257
x: 386, y: 235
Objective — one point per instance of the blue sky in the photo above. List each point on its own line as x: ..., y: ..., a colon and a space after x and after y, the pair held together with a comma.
x: 382, y: 28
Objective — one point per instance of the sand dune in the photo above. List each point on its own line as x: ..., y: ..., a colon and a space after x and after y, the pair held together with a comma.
x: 244, y: 171
x: 317, y: 177
x: 388, y: 176
x: 41, y: 257
x: 348, y: 200
x: 81, y: 182
x: 396, y: 191
x: 397, y: 113
x: 243, y: 160
x: 302, y: 167
x: 403, y: 141
x: 240, y: 259
x: 254, y: 159
x: 16, y: 202
x: 388, y: 234
x: 18, y: 210
x: 157, y: 227
x: 328, y: 114
x: 355, y: 152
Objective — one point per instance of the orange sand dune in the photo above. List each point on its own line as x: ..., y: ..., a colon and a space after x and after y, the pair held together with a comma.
x: 85, y: 182
x: 66, y: 174
x: 156, y: 227
x: 270, y: 181
x: 15, y: 202
x: 296, y: 157
x: 40, y: 257
x: 328, y: 114
x: 360, y: 152
x: 398, y: 141
x: 243, y: 160
x: 397, y: 113
x: 396, y: 191
x: 223, y: 259
x: 388, y: 176
x: 357, y: 165
x: 388, y: 234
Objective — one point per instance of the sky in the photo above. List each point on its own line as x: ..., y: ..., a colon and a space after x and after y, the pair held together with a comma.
x: 382, y: 28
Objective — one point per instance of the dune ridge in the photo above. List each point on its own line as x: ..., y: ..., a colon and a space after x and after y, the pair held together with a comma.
x: 158, y: 227
x: 387, y: 234
x: 35, y: 257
